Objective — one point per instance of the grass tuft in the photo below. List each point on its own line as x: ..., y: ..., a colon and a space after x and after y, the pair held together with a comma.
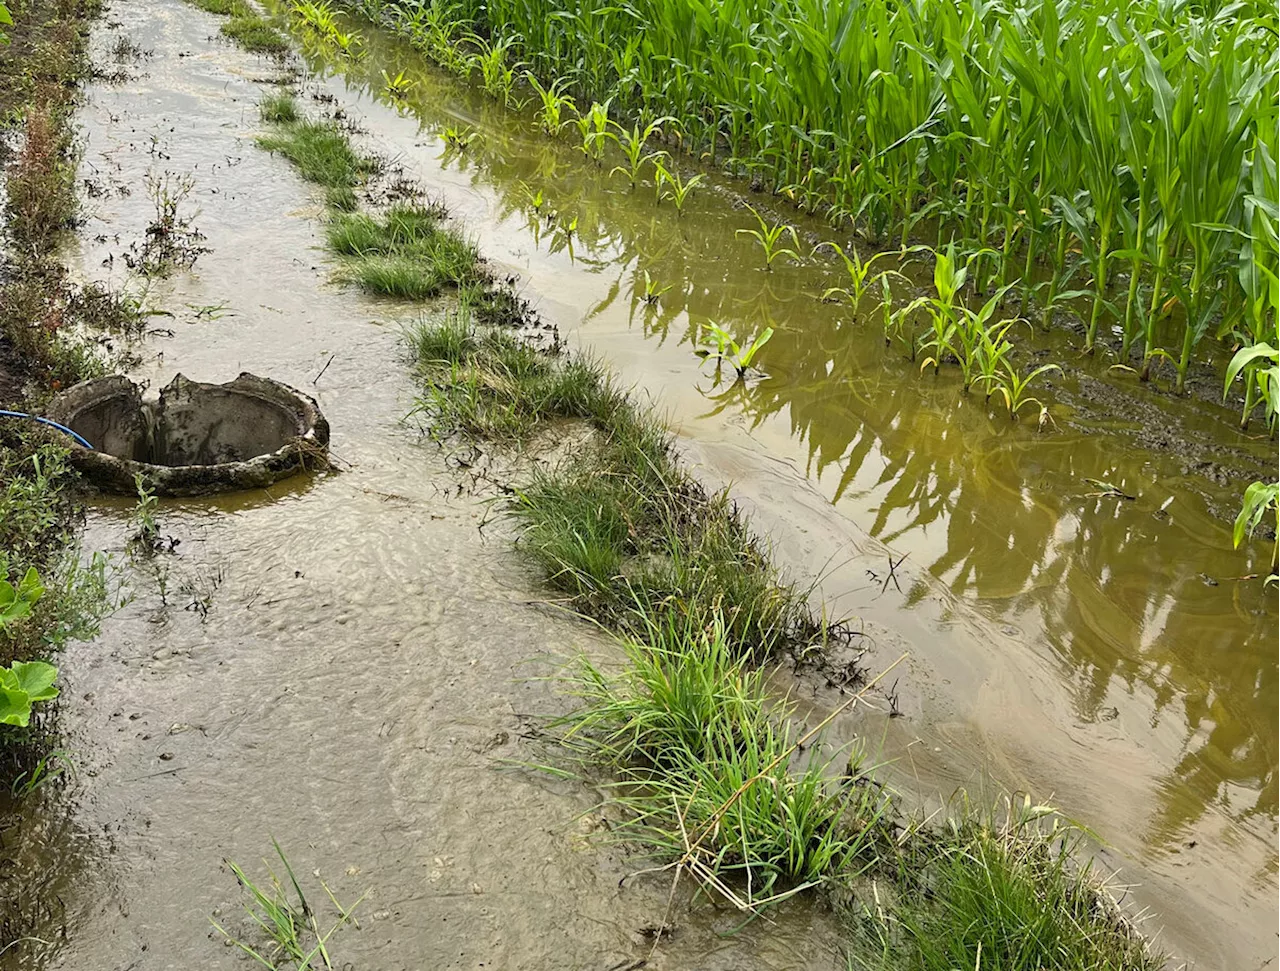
x: 279, y: 108
x: 321, y: 153
x: 255, y: 35
x: 705, y: 767
x: 1010, y: 894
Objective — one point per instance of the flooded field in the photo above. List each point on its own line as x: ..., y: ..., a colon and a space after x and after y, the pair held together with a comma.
x: 340, y: 662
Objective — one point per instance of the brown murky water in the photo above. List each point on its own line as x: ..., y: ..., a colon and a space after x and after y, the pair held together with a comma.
x: 356, y: 680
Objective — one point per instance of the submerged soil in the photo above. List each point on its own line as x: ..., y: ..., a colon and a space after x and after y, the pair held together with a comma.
x: 340, y: 662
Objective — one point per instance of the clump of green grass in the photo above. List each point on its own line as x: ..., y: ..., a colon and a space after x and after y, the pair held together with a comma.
x: 255, y: 35
x: 1013, y: 894
x: 224, y: 8
x: 489, y: 384
x: 279, y: 108
x: 406, y: 253
x: 705, y: 767
x: 320, y: 151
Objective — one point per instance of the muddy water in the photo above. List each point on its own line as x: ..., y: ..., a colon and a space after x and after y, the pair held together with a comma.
x: 354, y: 682
x: 338, y: 662
x: 1090, y: 649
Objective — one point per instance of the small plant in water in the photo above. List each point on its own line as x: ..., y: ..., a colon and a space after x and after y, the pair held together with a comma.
x: 632, y: 144
x: 720, y: 346
x: 554, y: 104
x: 1012, y: 387
x: 49, y: 769
x: 652, y: 292
x: 859, y: 270
x: 398, y: 85
x: 670, y: 186
x: 288, y: 920
x: 458, y: 139
x: 171, y: 240
x: 593, y: 126
x: 1259, y: 499
x: 769, y: 238
x: 146, y: 536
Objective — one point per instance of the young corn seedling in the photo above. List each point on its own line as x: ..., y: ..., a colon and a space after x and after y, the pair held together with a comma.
x: 652, y: 292
x: 770, y: 237
x: 1258, y: 499
x: 722, y: 347
x: 398, y: 85
x: 670, y: 186
x: 859, y: 270
x: 632, y: 144
x: 458, y: 139
x: 554, y: 103
x: 497, y: 77
x: 1260, y: 365
x: 594, y: 129
x: 1012, y: 387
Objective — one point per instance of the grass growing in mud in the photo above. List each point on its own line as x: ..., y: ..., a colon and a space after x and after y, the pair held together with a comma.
x: 246, y: 27
x: 409, y: 251
x: 621, y: 527
x: 711, y: 776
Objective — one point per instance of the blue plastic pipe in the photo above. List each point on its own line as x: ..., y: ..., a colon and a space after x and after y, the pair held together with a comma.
x: 47, y: 421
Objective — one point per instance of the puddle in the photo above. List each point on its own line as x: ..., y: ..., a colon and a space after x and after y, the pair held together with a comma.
x: 340, y: 668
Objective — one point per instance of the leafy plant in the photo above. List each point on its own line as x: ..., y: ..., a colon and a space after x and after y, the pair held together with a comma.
x: 859, y: 270
x: 398, y: 85
x: 652, y: 291
x: 633, y: 143
x: 721, y: 346
x: 16, y: 602
x: 670, y: 186
x: 1013, y: 387
x: 1259, y: 499
x: 593, y: 127
x: 22, y: 684
x: 769, y: 238
x: 554, y: 103
x: 1260, y: 364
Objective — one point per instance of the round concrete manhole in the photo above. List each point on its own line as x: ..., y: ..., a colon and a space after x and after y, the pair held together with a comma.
x: 194, y: 438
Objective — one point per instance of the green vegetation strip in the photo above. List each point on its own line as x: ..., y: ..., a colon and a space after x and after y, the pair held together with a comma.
x: 247, y: 27
x: 708, y: 769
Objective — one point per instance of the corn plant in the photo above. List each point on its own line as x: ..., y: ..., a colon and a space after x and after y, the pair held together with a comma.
x: 1259, y: 499
x: 671, y: 186
x: 1260, y: 365
x: 720, y: 346
x: 397, y: 85
x: 553, y: 103
x: 859, y: 270
x: 770, y: 238
x: 633, y: 143
x: 593, y: 127
x: 1013, y: 387
x: 652, y: 291
x: 497, y: 76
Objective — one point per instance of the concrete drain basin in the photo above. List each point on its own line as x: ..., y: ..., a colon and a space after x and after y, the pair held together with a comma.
x: 192, y: 439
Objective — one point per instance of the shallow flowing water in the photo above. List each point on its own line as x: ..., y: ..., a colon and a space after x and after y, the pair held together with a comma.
x: 355, y: 682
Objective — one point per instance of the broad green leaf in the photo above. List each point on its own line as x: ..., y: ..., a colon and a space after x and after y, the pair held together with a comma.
x: 36, y: 679
x: 1246, y: 356
x: 15, y: 707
